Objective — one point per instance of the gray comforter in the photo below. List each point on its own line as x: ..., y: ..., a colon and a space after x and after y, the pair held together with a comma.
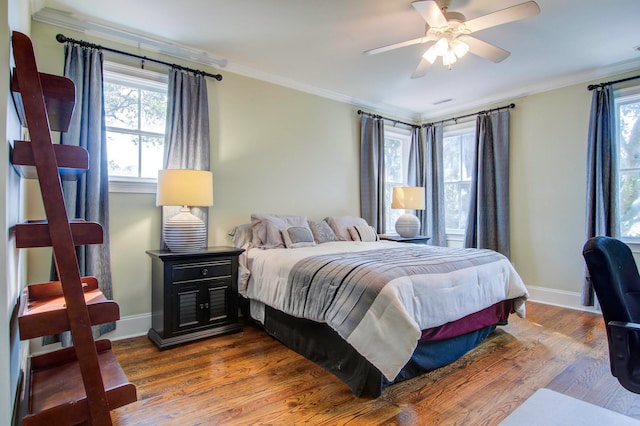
x: 379, y: 296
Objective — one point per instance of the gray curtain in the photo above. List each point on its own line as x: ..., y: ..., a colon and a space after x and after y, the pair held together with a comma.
x: 426, y: 170
x: 88, y: 197
x: 187, y: 145
x: 488, y: 219
x: 372, y: 172
x: 602, y: 180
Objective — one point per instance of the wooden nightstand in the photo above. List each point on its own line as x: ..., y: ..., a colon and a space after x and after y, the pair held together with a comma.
x: 418, y: 239
x: 194, y: 295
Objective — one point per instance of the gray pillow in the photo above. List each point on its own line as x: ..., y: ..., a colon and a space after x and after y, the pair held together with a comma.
x: 298, y: 236
x: 322, y: 232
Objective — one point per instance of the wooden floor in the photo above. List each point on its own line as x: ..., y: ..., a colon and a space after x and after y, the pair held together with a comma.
x: 250, y: 378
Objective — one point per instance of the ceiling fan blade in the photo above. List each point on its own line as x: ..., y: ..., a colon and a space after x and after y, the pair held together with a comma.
x: 484, y: 49
x: 431, y: 13
x: 422, y: 69
x: 397, y: 45
x: 510, y: 14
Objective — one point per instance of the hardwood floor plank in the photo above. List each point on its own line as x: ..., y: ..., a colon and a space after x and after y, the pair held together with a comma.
x: 250, y: 378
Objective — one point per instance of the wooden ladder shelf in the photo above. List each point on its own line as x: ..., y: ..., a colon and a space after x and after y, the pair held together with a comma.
x: 82, y: 383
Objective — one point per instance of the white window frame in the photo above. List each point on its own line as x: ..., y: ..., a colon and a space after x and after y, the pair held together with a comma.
x: 457, y: 129
x: 623, y: 96
x: 404, y: 135
x: 144, y: 79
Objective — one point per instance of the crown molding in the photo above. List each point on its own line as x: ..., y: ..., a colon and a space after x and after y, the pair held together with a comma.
x: 565, y: 80
x: 313, y: 90
x: 124, y: 35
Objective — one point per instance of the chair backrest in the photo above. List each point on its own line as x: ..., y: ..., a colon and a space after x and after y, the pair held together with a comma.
x: 615, y: 278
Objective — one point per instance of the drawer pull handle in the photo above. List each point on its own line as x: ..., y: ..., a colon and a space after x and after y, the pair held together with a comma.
x: 201, y: 306
x: 204, y: 272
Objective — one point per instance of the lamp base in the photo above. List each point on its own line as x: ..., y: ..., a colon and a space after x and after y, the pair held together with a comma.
x: 408, y: 225
x: 184, y: 232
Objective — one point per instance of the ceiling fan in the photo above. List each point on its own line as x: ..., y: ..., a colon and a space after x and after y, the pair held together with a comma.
x: 448, y: 33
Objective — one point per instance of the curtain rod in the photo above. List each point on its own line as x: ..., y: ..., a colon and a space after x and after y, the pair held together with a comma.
x: 487, y: 111
x: 609, y: 83
x: 63, y: 39
x: 361, y: 112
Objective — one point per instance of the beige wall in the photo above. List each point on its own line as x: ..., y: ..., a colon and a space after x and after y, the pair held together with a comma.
x: 278, y: 150
x: 548, y: 175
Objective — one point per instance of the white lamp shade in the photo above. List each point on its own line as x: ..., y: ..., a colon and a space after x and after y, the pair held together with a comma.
x: 408, y: 197
x: 183, y: 187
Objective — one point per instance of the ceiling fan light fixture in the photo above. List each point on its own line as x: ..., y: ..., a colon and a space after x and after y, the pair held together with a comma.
x: 430, y: 55
x: 441, y: 47
x: 459, y: 47
x: 444, y: 27
x: 449, y: 58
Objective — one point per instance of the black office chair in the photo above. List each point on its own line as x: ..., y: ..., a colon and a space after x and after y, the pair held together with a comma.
x: 616, y: 282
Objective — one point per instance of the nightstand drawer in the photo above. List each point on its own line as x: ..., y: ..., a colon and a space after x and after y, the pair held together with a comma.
x: 202, y: 270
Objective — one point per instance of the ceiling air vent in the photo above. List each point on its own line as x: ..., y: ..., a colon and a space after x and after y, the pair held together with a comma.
x: 444, y: 101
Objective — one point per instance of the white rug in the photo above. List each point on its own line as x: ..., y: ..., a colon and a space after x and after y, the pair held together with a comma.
x: 546, y: 407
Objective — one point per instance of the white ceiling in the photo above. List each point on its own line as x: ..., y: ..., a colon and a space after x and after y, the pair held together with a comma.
x: 317, y: 45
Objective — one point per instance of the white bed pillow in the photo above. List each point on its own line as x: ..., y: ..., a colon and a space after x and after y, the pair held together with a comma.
x: 266, y: 228
x: 341, y: 224
x: 363, y: 233
x: 298, y: 236
x: 241, y: 235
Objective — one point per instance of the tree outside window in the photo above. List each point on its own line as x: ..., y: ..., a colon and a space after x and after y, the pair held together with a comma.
x: 135, y: 116
x: 458, y: 151
x: 628, y: 136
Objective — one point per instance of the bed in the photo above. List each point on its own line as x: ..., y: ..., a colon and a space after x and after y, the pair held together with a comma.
x: 372, y: 312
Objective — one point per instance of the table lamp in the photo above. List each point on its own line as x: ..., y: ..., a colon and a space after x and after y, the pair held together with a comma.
x: 408, y: 198
x: 184, y: 232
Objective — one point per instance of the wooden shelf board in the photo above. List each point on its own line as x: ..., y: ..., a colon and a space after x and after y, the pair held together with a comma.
x: 44, y: 311
x: 36, y: 233
x: 73, y: 161
x: 59, y: 96
x: 55, y: 389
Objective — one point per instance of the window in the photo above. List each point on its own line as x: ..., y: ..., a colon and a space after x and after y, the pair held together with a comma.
x: 458, y: 150
x: 628, y: 137
x: 397, y: 143
x: 135, y: 115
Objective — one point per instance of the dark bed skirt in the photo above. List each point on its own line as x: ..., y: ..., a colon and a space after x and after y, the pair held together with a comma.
x: 322, y: 345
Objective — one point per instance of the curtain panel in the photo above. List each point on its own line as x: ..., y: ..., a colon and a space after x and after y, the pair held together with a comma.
x: 488, y: 217
x: 88, y: 197
x: 187, y: 144
x: 426, y: 170
x: 372, y: 172
x: 602, y: 180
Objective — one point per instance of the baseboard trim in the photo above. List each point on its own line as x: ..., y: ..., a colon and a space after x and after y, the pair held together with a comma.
x: 127, y: 327
x: 562, y: 298
x: 131, y: 326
